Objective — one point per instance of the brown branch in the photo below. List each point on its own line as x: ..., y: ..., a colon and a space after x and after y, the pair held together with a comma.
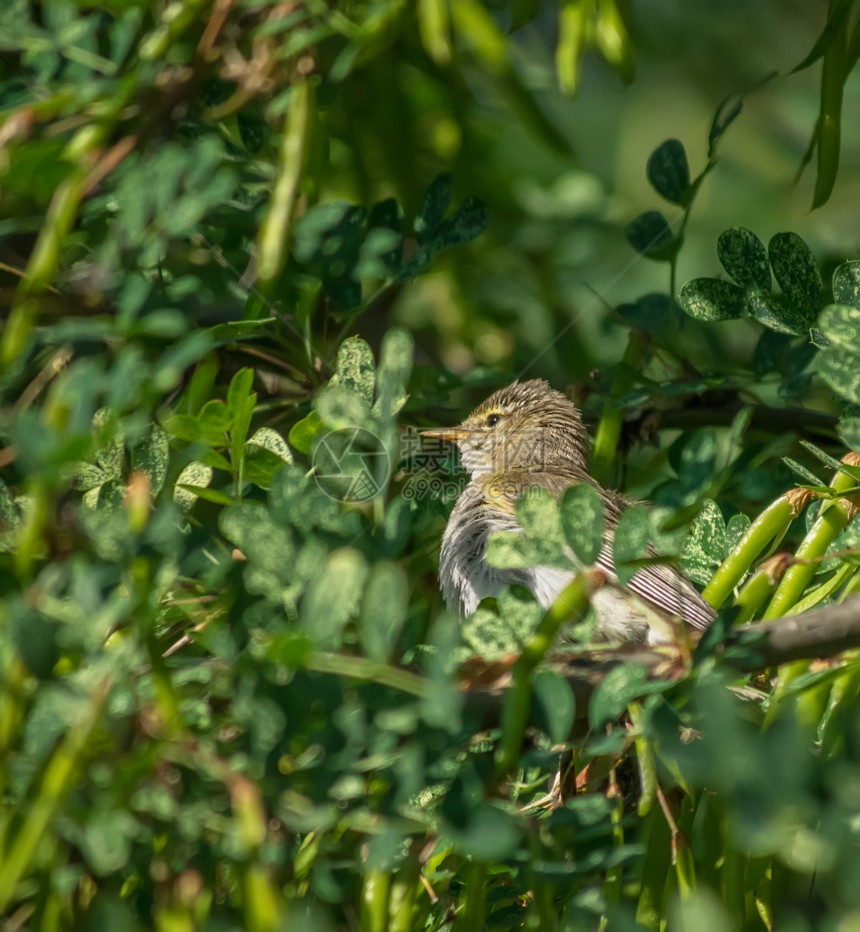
x: 818, y: 633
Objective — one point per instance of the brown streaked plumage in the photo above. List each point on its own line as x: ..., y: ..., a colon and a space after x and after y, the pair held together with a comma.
x: 528, y: 435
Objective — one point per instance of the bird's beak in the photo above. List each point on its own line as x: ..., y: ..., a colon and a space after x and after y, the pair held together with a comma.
x: 451, y: 434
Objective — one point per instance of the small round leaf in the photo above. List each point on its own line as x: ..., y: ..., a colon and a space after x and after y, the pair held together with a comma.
x: 582, y: 521
x: 713, y: 299
x: 651, y: 235
x: 846, y: 283
x: 840, y: 324
x: 555, y: 704
x: 744, y: 256
x: 840, y: 368
x: 630, y: 542
x: 669, y: 172
x: 797, y: 273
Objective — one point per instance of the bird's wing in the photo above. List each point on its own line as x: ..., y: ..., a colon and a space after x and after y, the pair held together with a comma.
x: 659, y: 585
x: 663, y: 587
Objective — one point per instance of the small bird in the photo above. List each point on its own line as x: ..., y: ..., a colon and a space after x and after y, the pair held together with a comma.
x: 528, y: 435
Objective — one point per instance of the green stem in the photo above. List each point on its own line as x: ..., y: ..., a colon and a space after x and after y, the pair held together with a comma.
x: 515, y: 712
x: 770, y: 525
x: 645, y: 761
x: 614, y: 874
x: 274, y: 236
x: 404, y: 889
x: 57, y: 780
x: 656, y: 866
x: 262, y: 900
x: 833, y: 77
x: 361, y: 668
x: 760, y: 587
x: 375, y: 894
x: 837, y: 717
x: 685, y: 865
x: 609, y: 429
x: 472, y: 909
x: 832, y: 520
x: 824, y: 590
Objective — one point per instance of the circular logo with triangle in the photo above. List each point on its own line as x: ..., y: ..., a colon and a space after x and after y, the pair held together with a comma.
x: 351, y: 464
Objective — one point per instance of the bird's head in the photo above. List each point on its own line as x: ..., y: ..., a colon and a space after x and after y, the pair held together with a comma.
x: 526, y: 425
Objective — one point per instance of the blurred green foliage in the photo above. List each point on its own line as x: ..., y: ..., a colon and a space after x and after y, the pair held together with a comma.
x: 245, y: 249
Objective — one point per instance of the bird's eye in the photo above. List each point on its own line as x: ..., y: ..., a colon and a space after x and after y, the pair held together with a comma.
x: 493, y: 419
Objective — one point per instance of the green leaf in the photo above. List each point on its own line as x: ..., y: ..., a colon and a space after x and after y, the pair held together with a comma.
x: 522, y: 12
x: 769, y: 350
x: 110, y: 444
x: 395, y: 364
x: 705, y: 545
x: 386, y: 599
x: 261, y: 465
x: 417, y: 262
x: 698, y: 456
x: 836, y: 16
x: 356, y: 367
x: 827, y: 459
x: 849, y: 431
x: 797, y: 274
x: 303, y: 432
x: 197, y: 475
x: 177, y: 358
x: 468, y: 222
x: 344, y: 290
x: 10, y: 518
x: 620, y: 685
x: 808, y: 478
x: 846, y: 283
x: 328, y: 237
x: 106, y: 840
x: 152, y: 457
x: 736, y: 527
x: 573, y: 21
x: 239, y: 394
x: 213, y: 422
x: 435, y: 206
x: 489, y: 833
x: 539, y: 516
x: 272, y: 441
x: 840, y: 324
x: 379, y: 256
x: 216, y: 496
x: 387, y: 217
x: 511, y: 550
x: 652, y: 313
x: 630, y: 541
x: 582, y: 520
x: 435, y: 29
x: 777, y: 313
x: 669, y: 172
x: 727, y: 112
x: 713, y: 299
x: 88, y: 477
x: 333, y: 598
x: 840, y: 368
x: 250, y: 526
x: 651, y: 235
x: 744, y: 256
x: 492, y: 634
x: 339, y: 406
x: 555, y: 704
